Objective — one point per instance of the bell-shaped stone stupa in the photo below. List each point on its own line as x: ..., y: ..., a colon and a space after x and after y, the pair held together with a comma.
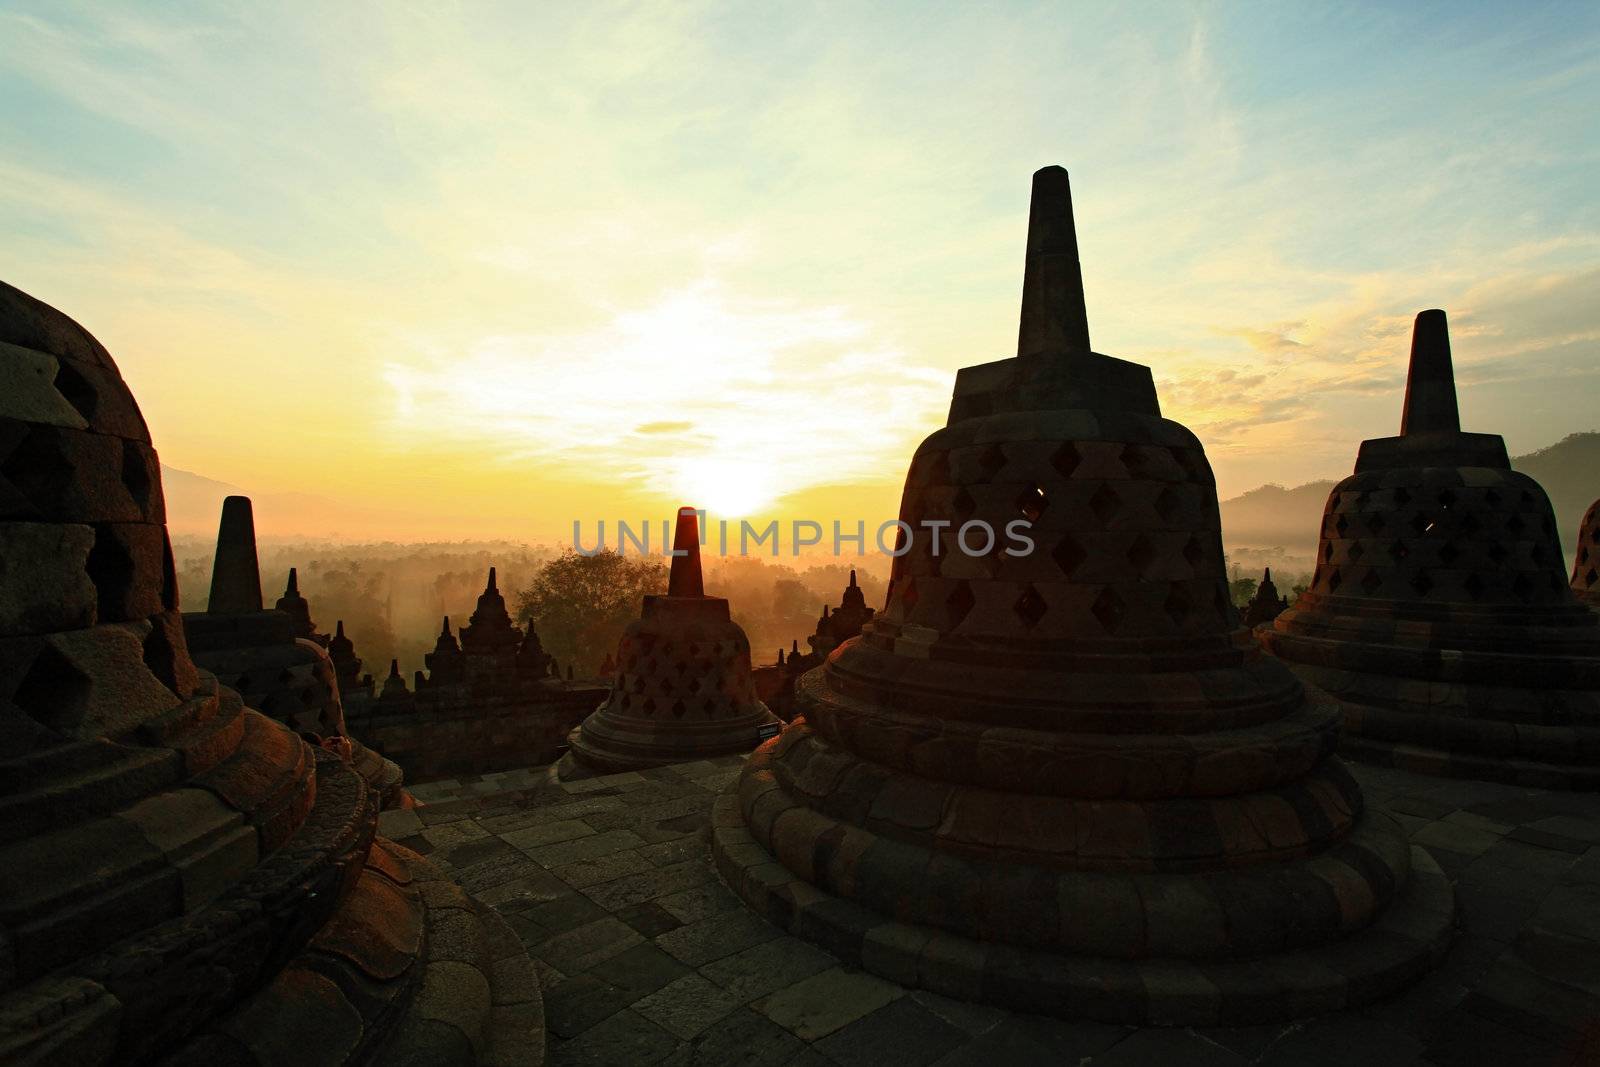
x: 270, y: 656
x: 184, y: 880
x: 1586, y: 565
x: 1066, y: 779
x: 1440, y: 613
x: 683, y: 688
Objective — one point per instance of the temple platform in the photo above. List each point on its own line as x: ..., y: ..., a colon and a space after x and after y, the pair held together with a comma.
x: 646, y: 956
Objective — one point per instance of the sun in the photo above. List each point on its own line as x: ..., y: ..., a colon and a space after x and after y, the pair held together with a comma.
x: 726, y: 489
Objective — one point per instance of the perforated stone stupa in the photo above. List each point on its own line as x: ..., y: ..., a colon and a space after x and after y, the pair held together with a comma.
x: 183, y: 879
x: 683, y: 689
x: 1586, y: 563
x: 1265, y: 605
x: 271, y: 656
x: 1068, y: 780
x: 1440, y: 613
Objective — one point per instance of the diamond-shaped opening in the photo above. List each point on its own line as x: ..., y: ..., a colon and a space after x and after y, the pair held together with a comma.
x: 1356, y: 552
x: 37, y: 466
x: 1515, y: 524
x: 649, y: 706
x: 993, y: 458
x: 1527, y: 498
x: 958, y: 604
x: 1421, y: 523
x: 1327, y: 552
x: 1341, y: 524
x: 1068, y: 554
x: 1401, y: 496
x: 1469, y: 523
x: 136, y: 474
x: 963, y: 505
x: 1377, y: 523
x: 1473, y: 585
x: 169, y: 575
x: 1066, y: 460
x: 1141, y: 554
x: 1334, y: 580
x: 1032, y: 502
x: 1536, y: 552
x: 1591, y: 577
x: 1372, y: 582
x: 79, y: 393
x: 1134, y: 459
x: 1448, y: 553
x: 679, y: 709
x: 1109, y: 609
x: 54, y: 691
x: 1177, y: 605
x: 1167, y: 502
x: 693, y: 687
x: 1446, y: 498
x: 1399, y: 551
x: 1422, y: 583
x: 1491, y: 497
x: 1497, y: 552
x: 161, y: 657
x: 1521, y: 586
x: 1030, y: 607
x: 1104, y: 503
x: 110, y: 568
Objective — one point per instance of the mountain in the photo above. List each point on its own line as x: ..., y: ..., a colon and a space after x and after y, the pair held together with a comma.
x: 194, y: 502
x: 1271, y: 515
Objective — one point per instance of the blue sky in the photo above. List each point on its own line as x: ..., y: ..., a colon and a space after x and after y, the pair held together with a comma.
x: 468, y: 251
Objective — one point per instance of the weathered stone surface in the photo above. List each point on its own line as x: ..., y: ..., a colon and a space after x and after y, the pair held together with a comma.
x: 44, y: 581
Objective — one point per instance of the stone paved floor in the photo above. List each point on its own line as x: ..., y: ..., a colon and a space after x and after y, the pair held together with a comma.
x: 645, y: 957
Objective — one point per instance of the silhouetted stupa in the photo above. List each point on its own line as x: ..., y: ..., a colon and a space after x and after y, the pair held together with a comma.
x: 1069, y: 781
x: 1266, y: 604
x: 1586, y: 565
x: 183, y: 879
x: 683, y: 688
x: 268, y: 656
x: 1440, y: 613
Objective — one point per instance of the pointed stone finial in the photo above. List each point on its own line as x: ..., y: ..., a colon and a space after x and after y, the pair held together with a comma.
x: 794, y: 647
x: 1430, y: 405
x: 444, y: 631
x: 394, y: 668
x: 338, y: 628
x: 1054, y: 317
x: 1267, y: 576
x: 685, y: 578
x: 569, y: 672
x: 825, y: 610
x: 852, y: 577
x: 491, y: 587
x: 236, y: 573
x: 780, y: 657
x: 293, y: 588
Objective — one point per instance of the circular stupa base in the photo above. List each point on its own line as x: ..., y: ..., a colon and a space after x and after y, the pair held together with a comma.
x: 1409, y: 938
x: 604, y: 744
x: 1420, y: 759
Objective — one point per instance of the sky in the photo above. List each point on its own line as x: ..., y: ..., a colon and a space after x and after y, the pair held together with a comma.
x: 467, y: 271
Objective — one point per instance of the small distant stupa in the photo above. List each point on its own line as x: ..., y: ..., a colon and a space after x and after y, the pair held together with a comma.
x: 683, y: 687
x: 1266, y: 604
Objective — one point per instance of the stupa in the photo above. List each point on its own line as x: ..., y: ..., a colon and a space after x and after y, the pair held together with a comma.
x: 183, y: 879
x: 1266, y: 604
x: 683, y: 688
x: 1067, y: 780
x: 298, y: 608
x: 1440, y: 613
x: 1586, y: 565
x: 269, y: 656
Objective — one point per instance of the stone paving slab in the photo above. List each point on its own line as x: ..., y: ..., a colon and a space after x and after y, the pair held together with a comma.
x: 645, y: 956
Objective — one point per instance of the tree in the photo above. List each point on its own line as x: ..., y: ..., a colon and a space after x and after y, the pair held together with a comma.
x: 1241, y: 590
x: 581, y: 604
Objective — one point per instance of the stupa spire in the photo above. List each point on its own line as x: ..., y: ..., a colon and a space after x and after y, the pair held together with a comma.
x: 491, y: 587
x: 1430, y: 405
x: 686, y: 579
x: 1054, y: 316
x: 293, y: 588
x: 236, y: 574
x: 444, y: 630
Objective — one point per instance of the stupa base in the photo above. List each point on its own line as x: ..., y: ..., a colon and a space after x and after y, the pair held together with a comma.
x: 1410, y: 937
x: 598, y: 746
x: 1420, y: 759
x: 410, y: 970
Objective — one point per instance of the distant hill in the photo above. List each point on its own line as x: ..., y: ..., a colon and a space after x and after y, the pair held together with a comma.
x: 194, y: 502
x: 1569, y: 470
